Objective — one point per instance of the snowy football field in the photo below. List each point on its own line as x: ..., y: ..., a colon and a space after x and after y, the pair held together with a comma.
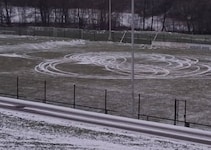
x: 162, y: 75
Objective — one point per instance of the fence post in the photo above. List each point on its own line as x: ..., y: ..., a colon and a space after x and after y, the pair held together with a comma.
x: 45, y: 92
x: 63, y: 32
x: 187, y: 124
x: 74, y: 92
x: 139, y: 103
x: 34, y: 32
x: 94, y: 35
x: 19, y: 30
x: 106, y: 111
x: 175, y: 112
x: 82, y: 34
x: 17, y: 87
x: 113, y: 36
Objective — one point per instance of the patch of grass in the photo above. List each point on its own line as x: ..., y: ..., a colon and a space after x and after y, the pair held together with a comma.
x: 157, y: 95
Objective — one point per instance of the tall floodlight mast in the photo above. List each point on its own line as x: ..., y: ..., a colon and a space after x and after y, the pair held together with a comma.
x: 109, y: 14
x: 132, y: 58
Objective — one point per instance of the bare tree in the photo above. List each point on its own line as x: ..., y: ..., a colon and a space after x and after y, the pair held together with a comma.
x: 1, y: 13
x: 195, y: 14
x: 45, y: 11
x: 8, y: 12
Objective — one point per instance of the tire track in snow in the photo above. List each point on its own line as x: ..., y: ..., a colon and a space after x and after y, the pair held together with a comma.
x: 146, y: 66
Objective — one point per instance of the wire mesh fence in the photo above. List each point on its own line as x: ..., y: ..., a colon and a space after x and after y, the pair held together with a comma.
x: 89, y: 98
x: 100, y: 100
x: 93, y: 35
x: 140, y: 37
x: 105, y: 101
x: 8, y: 86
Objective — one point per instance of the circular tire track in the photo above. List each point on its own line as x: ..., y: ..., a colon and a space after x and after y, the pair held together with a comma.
x: 146, y: 66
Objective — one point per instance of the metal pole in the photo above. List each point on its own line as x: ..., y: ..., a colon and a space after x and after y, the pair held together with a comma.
x: 139, y: 105
x: 17, y: 87
x: 132, y: 55
x: 175, y: 112
x: 106, y: 112
x: 45, y: 92
x: 185, y: 112
x: 109, y: 37
x: 74, y: 96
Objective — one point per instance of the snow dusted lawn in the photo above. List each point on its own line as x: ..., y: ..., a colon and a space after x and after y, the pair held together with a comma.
x: 20, y: 130
x: 162, y: 75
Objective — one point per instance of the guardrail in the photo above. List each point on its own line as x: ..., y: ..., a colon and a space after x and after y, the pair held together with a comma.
x: 158, y: 129
x: 84, y: 98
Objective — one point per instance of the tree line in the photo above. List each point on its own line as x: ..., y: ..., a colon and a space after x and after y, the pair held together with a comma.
x: 193, y: 15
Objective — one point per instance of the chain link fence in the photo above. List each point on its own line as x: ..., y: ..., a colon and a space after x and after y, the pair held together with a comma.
x: 117, y: 103
x: 93, y: 35
x: 140, y: 37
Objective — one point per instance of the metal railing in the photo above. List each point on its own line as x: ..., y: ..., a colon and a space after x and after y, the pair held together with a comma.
x: 85, y: 98
x: 140, y: 37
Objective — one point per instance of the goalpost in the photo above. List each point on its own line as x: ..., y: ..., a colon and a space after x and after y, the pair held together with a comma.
x: 123, y: 36
x: 155, y: 37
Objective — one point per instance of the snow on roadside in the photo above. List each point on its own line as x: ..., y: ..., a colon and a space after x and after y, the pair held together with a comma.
x: 14, y: 55
x: 47, y: 44
x: 8, y: 36
x: 52, y: 44
x: 42, y: 45
x: 19, y: 130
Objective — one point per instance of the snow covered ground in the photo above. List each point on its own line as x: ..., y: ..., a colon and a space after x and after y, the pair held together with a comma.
x: 20, y: 130
x: 148, y: 65
x: 186, y: 72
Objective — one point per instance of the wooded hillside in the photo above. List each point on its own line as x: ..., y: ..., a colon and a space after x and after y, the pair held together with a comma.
x: 193, y: 15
